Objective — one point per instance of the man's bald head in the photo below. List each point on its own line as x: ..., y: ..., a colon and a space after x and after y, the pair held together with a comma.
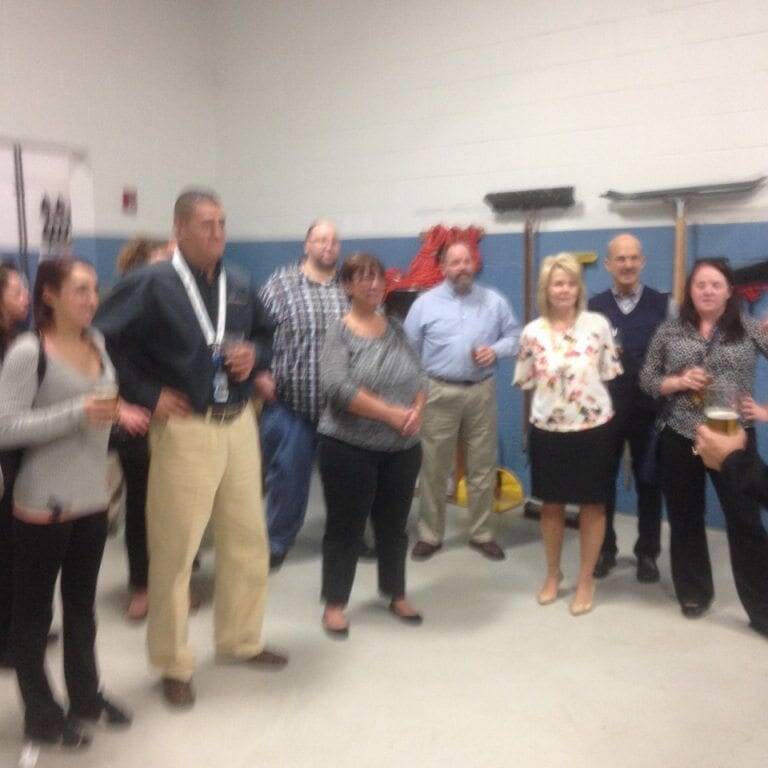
x: 625, y: 261
x: 623, y: 242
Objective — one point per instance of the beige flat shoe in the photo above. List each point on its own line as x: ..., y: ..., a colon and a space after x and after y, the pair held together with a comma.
x: 580, y: 609
x: 547, y: 599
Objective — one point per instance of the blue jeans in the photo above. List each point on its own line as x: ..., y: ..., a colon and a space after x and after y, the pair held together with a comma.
x: 288, y: 443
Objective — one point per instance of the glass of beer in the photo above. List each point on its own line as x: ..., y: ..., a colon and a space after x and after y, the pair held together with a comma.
x: 700, y: 397
x: 721, y: 408
x: 109, y: 394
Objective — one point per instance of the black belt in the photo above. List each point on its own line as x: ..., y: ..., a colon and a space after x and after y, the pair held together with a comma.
x: 455, y: 383
x: 224, y: 413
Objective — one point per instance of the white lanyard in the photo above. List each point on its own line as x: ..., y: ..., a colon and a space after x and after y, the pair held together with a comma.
x: 193, y: 292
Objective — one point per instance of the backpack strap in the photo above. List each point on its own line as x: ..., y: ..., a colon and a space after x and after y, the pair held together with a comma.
x: 42, y: 360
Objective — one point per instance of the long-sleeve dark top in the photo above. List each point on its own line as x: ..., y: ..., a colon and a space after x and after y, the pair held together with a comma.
x: 155, y: 341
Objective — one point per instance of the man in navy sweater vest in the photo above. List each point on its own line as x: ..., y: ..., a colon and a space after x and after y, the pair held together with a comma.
x: 634, y: 311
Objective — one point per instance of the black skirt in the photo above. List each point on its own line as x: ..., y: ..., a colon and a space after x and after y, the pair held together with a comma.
x: 572, y: 467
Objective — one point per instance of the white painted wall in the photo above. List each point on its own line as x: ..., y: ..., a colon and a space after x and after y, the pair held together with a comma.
x: 130, y: 81
x: 389, y: 116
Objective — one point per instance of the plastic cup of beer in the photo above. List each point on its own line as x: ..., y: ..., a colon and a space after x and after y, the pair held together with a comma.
x: 106, y: 392
x: 721, y: 409
x: 700, y: 398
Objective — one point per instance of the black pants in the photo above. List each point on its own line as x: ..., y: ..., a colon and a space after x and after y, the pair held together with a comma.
x: 683, y: 481
x: 358, y: 483
x: 10, y: 465
x: 75, y: 549
x: 634, y: 425
x: 134, y: 459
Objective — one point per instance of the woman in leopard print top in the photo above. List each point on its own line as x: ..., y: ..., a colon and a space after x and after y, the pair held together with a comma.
x: 711, y: 340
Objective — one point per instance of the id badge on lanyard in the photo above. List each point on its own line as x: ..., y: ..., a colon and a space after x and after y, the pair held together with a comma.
x: 220, y: 376
x: 212, y: 338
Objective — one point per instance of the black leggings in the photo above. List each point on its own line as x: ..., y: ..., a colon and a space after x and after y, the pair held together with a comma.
x: 10, y: 465
x: 683, y: 482
x: 134, y: 459
x: 358, y: 483
x: 75, y: 549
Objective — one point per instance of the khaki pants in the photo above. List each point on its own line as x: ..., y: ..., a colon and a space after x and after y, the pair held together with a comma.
x: 456, y: 412
x: 204, y: 470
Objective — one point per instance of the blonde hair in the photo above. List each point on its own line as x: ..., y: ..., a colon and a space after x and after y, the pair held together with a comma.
x: 570, y: 265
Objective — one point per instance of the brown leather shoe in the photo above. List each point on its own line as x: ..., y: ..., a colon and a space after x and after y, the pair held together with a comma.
x: 489, y: 549
x: 178, y: 693
x: 423, y: 550
x: 268, y: 659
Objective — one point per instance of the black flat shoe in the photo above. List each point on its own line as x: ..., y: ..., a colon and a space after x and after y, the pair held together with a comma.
x: 112, y: 713
x: 605, y: 564
x: 414, y: 619
x: 647, y: 570
x: 694, y: 610
x: 115, y: 714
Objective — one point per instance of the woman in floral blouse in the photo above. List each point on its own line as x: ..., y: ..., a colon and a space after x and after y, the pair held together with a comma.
x: 565, y: 356
x: 711, y: 343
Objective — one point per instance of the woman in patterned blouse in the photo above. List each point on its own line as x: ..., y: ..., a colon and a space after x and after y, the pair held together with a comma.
x: 565, y: 356
x: 710, y: 342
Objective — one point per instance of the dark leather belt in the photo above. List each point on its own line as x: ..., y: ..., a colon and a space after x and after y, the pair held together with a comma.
x: 224, y: 413
x: 454, y: 383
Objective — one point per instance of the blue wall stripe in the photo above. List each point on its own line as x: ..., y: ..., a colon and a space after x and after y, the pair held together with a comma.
x: 503, y: 255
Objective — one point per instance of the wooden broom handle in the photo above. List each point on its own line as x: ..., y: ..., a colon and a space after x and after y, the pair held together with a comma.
x: 680, y: 251
x: 528, y: 314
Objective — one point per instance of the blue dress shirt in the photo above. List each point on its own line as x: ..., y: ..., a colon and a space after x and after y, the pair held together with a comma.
x: 445, y: 327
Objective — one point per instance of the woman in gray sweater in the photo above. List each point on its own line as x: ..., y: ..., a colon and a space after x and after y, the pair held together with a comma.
x: 369, y: 453
x: 58, y: 399
x: 14, y: 308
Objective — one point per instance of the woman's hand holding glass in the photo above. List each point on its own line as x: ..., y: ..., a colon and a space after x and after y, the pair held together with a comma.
x: 99, y: 411
x: 101, y: 406
x: 695, y: 379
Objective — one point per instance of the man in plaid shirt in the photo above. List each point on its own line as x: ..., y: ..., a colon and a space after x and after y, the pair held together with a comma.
x: 303, y: 299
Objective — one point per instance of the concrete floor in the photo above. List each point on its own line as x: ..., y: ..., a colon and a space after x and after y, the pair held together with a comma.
x: 490, y: 679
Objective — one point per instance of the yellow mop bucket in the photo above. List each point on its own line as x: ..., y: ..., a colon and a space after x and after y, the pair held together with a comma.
x: 509, y: 491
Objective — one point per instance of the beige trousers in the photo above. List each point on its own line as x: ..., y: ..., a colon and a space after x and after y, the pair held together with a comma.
x: 456, y: 412
x: 204, y: 470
